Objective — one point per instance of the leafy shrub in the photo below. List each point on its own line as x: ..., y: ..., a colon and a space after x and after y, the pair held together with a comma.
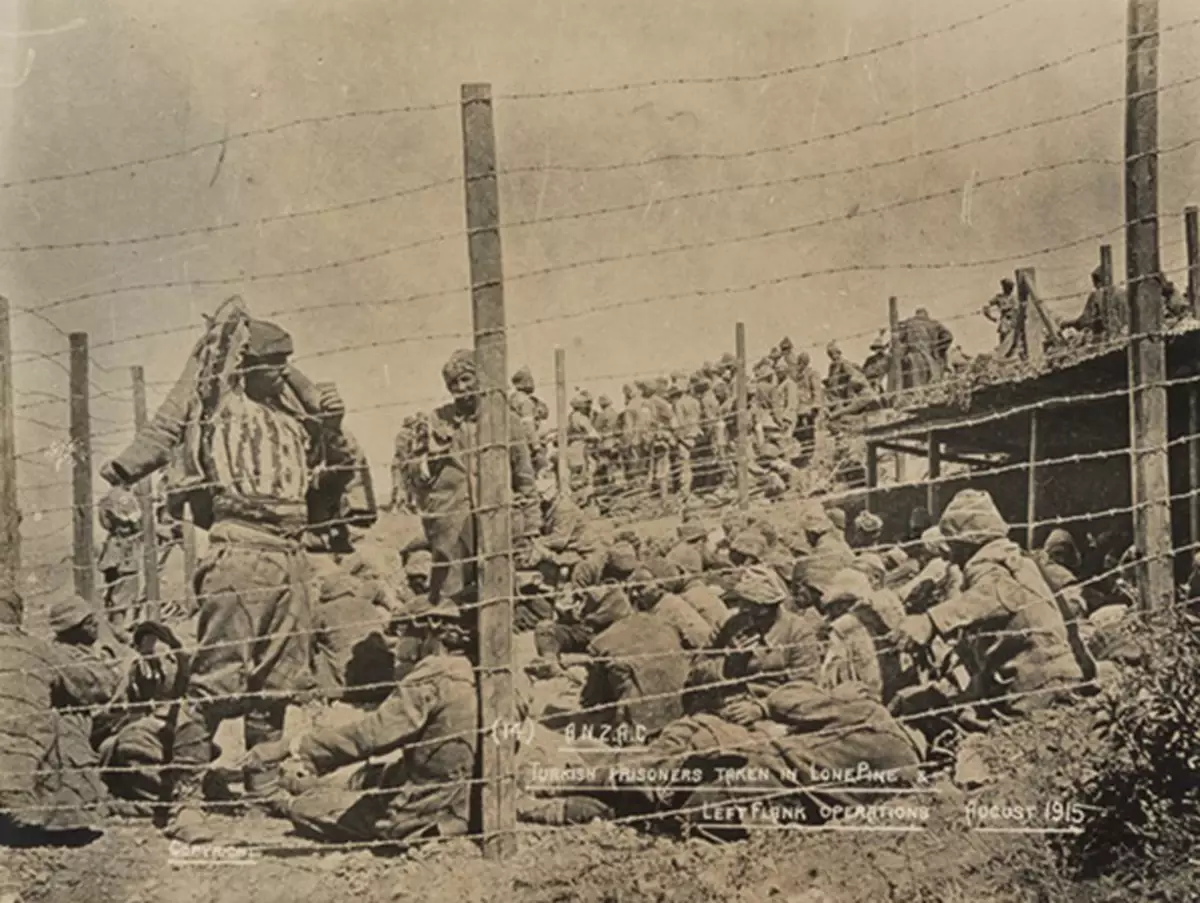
x: 1141, y: 786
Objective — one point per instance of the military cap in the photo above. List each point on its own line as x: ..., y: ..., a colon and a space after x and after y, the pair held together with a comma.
x: 266, y: 339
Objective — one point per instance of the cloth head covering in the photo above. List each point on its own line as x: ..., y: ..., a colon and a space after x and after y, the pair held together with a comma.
x: 837, y: 517
x: 687, y: 558
x: 934, y: 542
x: 872, y: 567
x: 666, y: 574
x: 119, y: 508
x: 728, y: 360
x: 69, y: 612
x: 880, y: 343
x: 803, y: 360
x: 847, y: 585
x: 868, y: 524
x: 761, y: 585
x: 700, y: 383
x: 814, y: 518
x: 418, y: 563
x: 338, y: 585
x: 786, y: 344
x: 770, y: 450
x: 461, y: 362
x: 623, y: 558
x: 264, y: 339
x: 721, y: 391
x: 972, y: 517
x: 832, y: 348
x: 604, y: 401
x: 628, y: 389
x: 1060, y: 548
x: 523, y: 379
x: 674, y: 390
x: 750, y: 542
x: 692, y: 531
x: 581, y: 402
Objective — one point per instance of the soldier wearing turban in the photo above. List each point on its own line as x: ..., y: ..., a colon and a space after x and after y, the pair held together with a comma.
x: 269, y: 470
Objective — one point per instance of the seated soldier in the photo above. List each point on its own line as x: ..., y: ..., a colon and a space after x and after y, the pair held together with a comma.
x: 431, y: 715
x: 142, y: 732
x: 860, y: 619
x: 590, y: 608
x: 762, y: 646
x: 51, y: 792
x: 649, y: 592
x: 352, y: 658
x: 1005, y: 622
x: 637, y: 673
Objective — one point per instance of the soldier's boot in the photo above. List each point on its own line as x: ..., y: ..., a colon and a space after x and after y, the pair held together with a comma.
x: 263, y: 789
x: 186, y: 820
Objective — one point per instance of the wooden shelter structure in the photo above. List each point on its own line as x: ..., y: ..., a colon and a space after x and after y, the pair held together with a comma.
x: 1053, y: 446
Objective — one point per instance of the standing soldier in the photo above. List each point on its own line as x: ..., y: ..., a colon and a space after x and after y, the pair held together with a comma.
x: 402, y: 500
x: 120, y: 561
x: 608, y: 456
x: 878, y: 364
x: 447, y: 482
x: 785, y: 399
x: 688, y: 425
x: 1002, y: 310
x: 710, y: 428
x: 582, y: 441
x: 924, y: 347
x: 631, y: 435
x: 530, y: 410
x: 268, y: 462
x: 660, y: 436
x: 787, y: 353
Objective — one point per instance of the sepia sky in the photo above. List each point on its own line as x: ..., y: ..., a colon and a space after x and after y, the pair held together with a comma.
x: 91, y: 84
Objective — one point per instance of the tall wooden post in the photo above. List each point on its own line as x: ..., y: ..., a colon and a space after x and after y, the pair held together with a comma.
x: 1031, y: 493
x: 1146, y: 350
x: 561, y: 415
x: 894, y: 376
x: 1035, y: 342
x: 188, y: 541
x: 10, y: 514
x: 1191, y: 234
x: 935, y: 473
x: 872, y: 473
x: 1106, y: 265
x: 743, y: 421
x: 1192, y: 237
x: 81, y: 475
x: 496, y: 582
x: 145, y: 491
x: 1193, y: 446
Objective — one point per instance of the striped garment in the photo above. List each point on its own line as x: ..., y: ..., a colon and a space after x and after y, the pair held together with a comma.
x: 259, y: 457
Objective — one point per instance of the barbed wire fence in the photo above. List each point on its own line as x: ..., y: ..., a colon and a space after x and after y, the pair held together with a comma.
x: 501, y: 779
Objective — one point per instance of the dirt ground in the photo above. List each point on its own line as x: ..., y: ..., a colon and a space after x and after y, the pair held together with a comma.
x: 258, y: 861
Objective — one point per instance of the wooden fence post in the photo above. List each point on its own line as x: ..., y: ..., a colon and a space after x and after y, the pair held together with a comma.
x: 82, y: 516
x: 145, y: 491
x: 496, y: 579
x: 10, y: 514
